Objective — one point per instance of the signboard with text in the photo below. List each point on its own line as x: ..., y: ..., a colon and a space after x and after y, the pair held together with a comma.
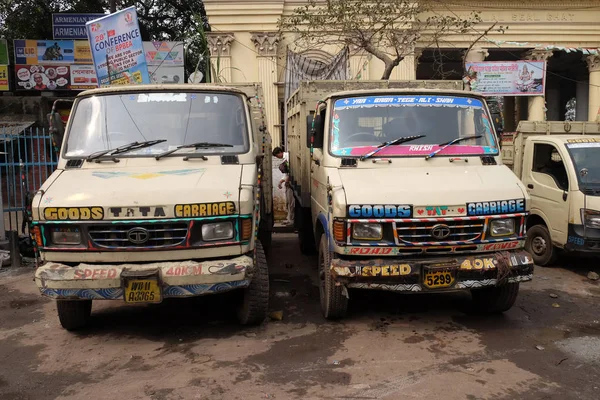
x: 71, y: 26
x: 3, y: 78
x: 117, y: 49
x: 29, y: 52
x: 42, y: 77
x: 164, y: 53
x: 83, y: 77
x: 507, y: 78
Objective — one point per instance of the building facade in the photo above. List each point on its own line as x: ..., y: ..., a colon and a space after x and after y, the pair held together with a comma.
x: 249, y: 48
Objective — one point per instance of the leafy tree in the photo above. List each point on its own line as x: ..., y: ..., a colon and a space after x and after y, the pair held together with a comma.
x: 387, y: 29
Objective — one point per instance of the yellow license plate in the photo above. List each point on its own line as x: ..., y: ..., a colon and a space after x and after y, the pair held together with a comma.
x: 142, y: 291
x: 435, y: 279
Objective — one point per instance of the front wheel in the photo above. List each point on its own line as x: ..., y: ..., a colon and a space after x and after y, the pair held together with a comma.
x: 539, y: 244
x: 74, y: 314
x: 255, y: 302
x: 334, y: 304
x: 495, y: 299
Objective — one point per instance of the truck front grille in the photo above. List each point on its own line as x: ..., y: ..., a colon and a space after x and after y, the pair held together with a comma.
x: 138, y: 236
x: 424, y: 231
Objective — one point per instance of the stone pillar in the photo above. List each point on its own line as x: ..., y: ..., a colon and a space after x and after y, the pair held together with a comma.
x: 266, y: 45
x: 536, y: 105
x: 476, y: 54
x: 220, y: 55
x: 593, y: 63
x: 407, y: 69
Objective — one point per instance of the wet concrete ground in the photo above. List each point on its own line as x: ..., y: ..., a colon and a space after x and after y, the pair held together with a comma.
x: 390, y: 346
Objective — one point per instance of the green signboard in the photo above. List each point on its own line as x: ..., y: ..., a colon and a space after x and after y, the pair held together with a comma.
x: 3, y: 52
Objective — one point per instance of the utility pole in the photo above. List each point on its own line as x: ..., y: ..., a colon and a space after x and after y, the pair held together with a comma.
x: 113, y: 6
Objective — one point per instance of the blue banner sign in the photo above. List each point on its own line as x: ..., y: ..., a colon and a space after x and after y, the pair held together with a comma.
x: 71, y: 26
x: 117, y: 49
x: 412, y: 100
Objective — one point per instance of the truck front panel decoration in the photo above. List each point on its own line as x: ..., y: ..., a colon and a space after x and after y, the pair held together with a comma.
x: 379, y: 211
x: 496, y: 207
x: 205, y: 209
x: 73, y: 213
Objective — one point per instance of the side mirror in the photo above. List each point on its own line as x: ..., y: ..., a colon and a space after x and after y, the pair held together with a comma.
x: 314, y: 134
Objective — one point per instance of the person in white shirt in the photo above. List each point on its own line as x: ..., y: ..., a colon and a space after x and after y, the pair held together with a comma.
x: 284, y: 167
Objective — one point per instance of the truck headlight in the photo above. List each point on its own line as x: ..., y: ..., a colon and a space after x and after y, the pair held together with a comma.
x: 65, y: 235
x: 217, y: 231
x: 590, y: 218
x: 367, y: 231
x: 502, y: 227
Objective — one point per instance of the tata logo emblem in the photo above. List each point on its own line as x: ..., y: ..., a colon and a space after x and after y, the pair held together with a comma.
x: 440, y: 231
x: 138, y: 235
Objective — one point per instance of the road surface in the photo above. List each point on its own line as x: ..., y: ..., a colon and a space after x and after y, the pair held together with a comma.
x: 390, y: 346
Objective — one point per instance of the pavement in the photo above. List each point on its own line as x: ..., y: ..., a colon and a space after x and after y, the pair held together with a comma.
x: 390, y: 346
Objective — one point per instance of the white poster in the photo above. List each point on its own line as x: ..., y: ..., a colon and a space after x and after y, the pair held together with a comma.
x: 166, y: 74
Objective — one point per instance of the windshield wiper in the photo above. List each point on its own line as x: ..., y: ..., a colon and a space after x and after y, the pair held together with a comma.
x: 198, y: 145
x: 123, y: 149
x: 384, y: 145
x: 450, y: 143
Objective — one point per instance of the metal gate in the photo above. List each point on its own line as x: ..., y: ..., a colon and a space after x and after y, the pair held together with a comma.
x: 27, y: 158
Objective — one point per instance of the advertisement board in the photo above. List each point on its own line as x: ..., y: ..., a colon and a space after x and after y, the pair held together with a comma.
x: 507, y: 78
x: 3, y: 78
x: 42, y: 77
x: 83, y: 54
x: 71, y: 26
x: 166, y: 74
x: 83, y: 77
x: 164, y: 53
x: 30, y: 52
x: 3, y: 52
x: 117, y: 49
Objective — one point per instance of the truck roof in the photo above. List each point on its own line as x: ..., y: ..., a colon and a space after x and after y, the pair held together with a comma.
x: 566, y: 136
x: 451, y: 92
x: 160, y: 87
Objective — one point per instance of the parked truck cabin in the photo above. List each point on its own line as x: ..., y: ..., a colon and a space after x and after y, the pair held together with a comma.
x: 558, y: 163
x: 157, y: 194
x: 408, y: 193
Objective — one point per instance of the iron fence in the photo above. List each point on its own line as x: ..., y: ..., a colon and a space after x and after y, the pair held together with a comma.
x: 27, y: 158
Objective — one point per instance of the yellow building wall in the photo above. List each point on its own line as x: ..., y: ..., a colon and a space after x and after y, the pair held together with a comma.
x: 560, y: 23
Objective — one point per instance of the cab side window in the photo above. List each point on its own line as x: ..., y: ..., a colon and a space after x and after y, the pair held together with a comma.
x: 547, y: 160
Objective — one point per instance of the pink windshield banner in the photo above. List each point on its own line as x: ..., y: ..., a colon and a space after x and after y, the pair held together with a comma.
x: 416, y: 150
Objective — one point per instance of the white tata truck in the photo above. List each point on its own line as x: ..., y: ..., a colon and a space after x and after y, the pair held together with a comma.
x: 161, y: 191
x: 401, y: 187
x: 559, y: 163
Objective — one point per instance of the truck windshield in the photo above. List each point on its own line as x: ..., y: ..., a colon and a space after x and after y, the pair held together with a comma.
x: 584, y: 153
x: 360, y: 124
x: 109, y: 121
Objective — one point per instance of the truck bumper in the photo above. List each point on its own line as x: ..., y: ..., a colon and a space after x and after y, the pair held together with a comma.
x: 419, y: 275
x: 169, y: 279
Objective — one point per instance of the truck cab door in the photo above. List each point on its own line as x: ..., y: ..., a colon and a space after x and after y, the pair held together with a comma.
x: 547, y: 182
x: 318, y: 179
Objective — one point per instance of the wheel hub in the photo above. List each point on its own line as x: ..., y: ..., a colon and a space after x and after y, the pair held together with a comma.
x: 539, y: 245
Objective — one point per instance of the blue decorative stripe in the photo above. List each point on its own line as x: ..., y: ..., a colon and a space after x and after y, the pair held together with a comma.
x: 90, y: 294
x: 169, y: 291
x: 195, y: 290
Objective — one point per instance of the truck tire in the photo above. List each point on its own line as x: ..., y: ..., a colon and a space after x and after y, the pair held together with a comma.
x: 255, y: 301
x: 74, y: 314
x: 334, y: 304
x: 306, y: 236
x: 539, y: 245
x: 265, y: 236
x: 495, y: 299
